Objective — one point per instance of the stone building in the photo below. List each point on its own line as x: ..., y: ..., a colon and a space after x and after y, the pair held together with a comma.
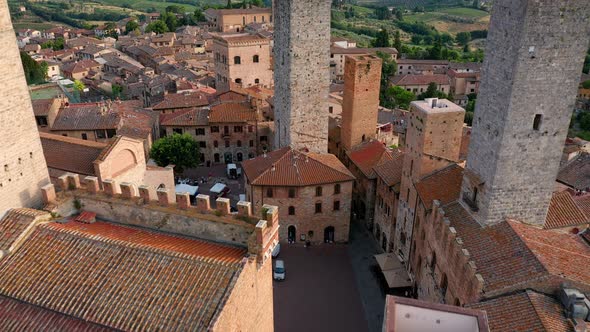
x: 301, y: 55
x: 389, y: 177
x: 46, y: 111
x: 242, y: 60
x: 361, y: 100
x: 538, y: 51
x: 418, y: 84
x: 433, y: 141
x: 235, y: 20
x: 215, y: 267
x: 22, y: 166
x: 314, y: 191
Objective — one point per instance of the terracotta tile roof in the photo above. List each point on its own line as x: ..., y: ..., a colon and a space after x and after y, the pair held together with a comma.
x: 410, y: 79
x: 121, y: 277
x: 369, y: 155
x: 41, y: 107
x: 576, y: 173
x: 525, y: 311
x: 182, y: 100
x: 80, y: 66
x: 187, y: 118
x: 287, y: 167
x: 70, y: 154
x: 231, y: 96
x: 583, y: 202
x: 443, y: 185
x: 137, y: 123
x: 390, y: 171
x: 20, y: 316
x: 92, y: 116
x: 564, y: 212
x: 563, y: 255
x: 511, y: 262
x: 232, y: 113
x: 14, y: 223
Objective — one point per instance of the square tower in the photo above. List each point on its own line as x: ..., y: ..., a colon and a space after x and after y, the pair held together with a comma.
x: 362, y: 79
x: 22, y: 165
x: 534, y: 55
x: 302, y: 74
x: 433, y: 142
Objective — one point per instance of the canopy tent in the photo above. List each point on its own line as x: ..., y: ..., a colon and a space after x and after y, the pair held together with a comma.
x: 394, y: 272
x: 185, y: 188
x: 217, y: 188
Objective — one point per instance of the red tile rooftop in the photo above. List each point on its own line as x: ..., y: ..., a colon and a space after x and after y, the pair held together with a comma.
x: 369, y: 155
x: 564, y: 212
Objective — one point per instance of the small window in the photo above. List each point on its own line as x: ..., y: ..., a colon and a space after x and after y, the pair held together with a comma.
x: 177, y: 131
x: 200, y: 131
x: 202, y: 144
x: 336, y: 205
x: 291, y: 192
x: 214, y: 129
x: 84, y: 136
x: 331, y: 109
x: 238, y: 129
x: 318, y: 191
x: 256, y: 59
x: 336, y: 189
x: 227, y: 144
x: 257, y: 81
x: 291, y: 210
x: 250, y: 129
x: 237, y: 61
x: 238, y: 80
x: 100, y: 134
x: 251, y: 143
x: 269, y: 192
x: 239, y: 143
x: 111, y: 133
x: 215, y: 144
x: 318, y: 207
x: 537, y: 122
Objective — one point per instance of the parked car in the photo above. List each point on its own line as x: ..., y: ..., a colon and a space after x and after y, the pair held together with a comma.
x: 279, y: 271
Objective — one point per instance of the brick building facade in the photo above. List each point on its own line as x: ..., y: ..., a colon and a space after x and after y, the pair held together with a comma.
x: 314, y: 191
x: 22, y: 166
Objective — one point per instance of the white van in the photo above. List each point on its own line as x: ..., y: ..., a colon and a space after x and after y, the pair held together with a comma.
x: 279, y: 271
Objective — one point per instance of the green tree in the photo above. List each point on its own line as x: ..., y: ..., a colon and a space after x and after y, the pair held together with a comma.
x: 476, y: 4
x: 44, y: 68
x: 383, y: 13
x: 179, y: 150
x: 33, y: 70
x: 79, y: 86
x: 170, y: 20
x: 117, y: 91
x: 131, y: 26
x: 396, y: 96
x: 469, y: 118
x: 463, y: 38
x: 257, y: 3
x: 586, y: 84
x: 157, y: 26
x: 397, y: 41
x: 399, y: 15
x: 382, y: 39
x: 228, y: 4
x: 584, y: 121
x: 199, y: 15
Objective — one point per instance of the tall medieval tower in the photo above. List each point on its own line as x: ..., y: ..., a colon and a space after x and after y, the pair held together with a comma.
x: 362, y: 79
x: 302, y: 73
x: 22, y: 165
x: 533, y: 62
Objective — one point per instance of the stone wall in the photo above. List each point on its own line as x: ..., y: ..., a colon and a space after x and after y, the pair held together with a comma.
x: 302, y: 74
x: 386, y: 204
x: 305, y: 218
x: 362, y: 79
x: 22, y: 164
x: 535, y: 51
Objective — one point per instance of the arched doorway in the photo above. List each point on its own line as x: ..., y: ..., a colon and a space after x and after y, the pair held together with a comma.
x: 228, y: 158
x: 329, y: 234
x: 240, y: 156
x: 291, y: 234
x: 216, y: 158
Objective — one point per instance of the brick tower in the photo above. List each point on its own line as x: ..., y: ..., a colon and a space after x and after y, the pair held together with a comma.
x: 302, y: 74
x: 532, y: 67
x: 433, y: 141
x: 362, y: 78
x: 22, y: 164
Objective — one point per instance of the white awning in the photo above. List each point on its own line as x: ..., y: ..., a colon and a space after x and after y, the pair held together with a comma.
x: 217, y: 188
x: 185, y: 188
x: 394, y: 272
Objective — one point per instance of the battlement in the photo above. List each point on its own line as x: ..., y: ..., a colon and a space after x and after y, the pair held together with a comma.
x: 163, y: 210
x: 458, y: 257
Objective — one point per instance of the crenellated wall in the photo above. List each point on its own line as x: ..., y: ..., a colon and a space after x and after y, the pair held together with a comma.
x: 163, y: 210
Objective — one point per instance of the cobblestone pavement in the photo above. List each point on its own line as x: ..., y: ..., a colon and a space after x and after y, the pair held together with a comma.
x: 319, y: 293
x: 361, y: 249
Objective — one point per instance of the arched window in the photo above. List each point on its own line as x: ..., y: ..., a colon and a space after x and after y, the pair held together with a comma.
x: 256, y: 59
x: 318, y: 191
x: 237, y: 60
x: 291, y: 210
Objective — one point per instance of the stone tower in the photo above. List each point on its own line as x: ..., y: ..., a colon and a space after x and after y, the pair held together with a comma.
x: 433, y: 141
x: 22, y: 165
x: 531, y: 72
x: 302, y: 73
x: 362, y: 79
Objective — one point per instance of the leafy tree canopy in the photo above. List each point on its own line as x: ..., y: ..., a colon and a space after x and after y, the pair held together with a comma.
x: 179, y: 150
